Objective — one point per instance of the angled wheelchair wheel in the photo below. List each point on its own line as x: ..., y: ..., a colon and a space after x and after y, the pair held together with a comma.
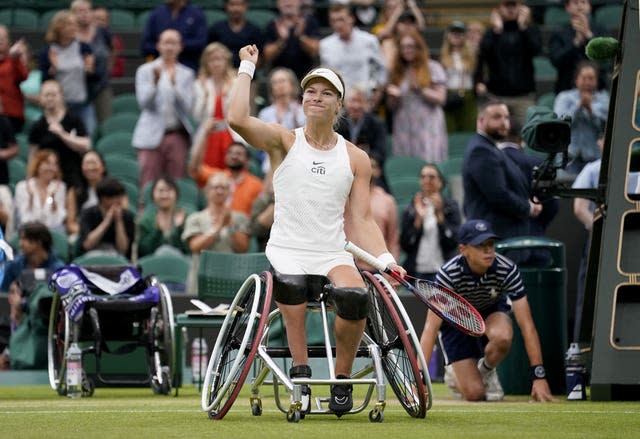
x: 399, y: 359
x: 57, y: 344
x: 163, y: 342
x: 236, y: 345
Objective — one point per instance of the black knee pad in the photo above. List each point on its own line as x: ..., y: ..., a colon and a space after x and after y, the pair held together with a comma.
x: 350, y: 303
x: 294, y: 289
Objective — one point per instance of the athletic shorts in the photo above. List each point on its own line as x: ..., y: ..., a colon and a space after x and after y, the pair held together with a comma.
x: 457, y: 345
x: 294, y: 261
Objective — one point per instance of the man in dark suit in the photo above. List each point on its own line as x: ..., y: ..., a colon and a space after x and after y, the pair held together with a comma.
x: 513, y: 147
x: 495, y: 188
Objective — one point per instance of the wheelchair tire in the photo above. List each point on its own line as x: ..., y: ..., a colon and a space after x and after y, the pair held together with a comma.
x: 236, y: 345
x: 165, y: 339
x: 57, y: 345
x: 399, y: 361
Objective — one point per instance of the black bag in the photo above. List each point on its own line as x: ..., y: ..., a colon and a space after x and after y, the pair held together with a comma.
x: 455, y: 100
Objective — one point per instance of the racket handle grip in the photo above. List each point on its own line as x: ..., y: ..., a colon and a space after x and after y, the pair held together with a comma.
x: 365, y: 256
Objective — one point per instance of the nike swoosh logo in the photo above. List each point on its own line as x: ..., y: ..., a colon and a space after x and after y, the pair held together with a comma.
x: 317, y: 163
x: 341, y: 399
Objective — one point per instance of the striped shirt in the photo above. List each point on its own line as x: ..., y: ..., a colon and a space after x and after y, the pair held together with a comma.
x: 482, y: 291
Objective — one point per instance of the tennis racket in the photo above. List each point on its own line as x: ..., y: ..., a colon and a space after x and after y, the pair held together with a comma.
x: 449, y: 306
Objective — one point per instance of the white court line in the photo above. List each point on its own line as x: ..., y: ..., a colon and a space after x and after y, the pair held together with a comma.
x: 461, y: 410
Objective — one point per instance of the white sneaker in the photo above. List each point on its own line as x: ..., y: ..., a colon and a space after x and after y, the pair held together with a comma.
x: 450, y: 381
x: 493, y: 388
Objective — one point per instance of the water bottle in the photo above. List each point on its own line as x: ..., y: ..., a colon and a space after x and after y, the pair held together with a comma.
x: 74, y: 371
x: 575, y: 373
x: 199, y: 359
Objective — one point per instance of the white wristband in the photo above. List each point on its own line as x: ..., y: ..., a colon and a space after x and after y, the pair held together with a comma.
x: 387, y: 259
x: 247, y: 67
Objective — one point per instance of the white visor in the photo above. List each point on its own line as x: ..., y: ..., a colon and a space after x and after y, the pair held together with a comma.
x: 327, y: 74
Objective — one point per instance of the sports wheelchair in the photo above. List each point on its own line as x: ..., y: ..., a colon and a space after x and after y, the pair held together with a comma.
x: 111, y: 310
x: 389, y: 348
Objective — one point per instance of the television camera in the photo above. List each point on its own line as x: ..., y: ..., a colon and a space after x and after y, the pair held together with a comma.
x: 547, y: 133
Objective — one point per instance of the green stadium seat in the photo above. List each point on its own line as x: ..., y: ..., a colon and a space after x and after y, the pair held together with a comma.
x: 31, y: 115
x: 452, y: 166
x: 132, y: 195
x: 45, y: 18
x: 125, y: 103
x: 220, y: 275
x: 555, y: 16
x: 608, y: 17
x: 6, y: 17
x: 23, y: 144
x: 402, y: 166
x: 119, y: 122
x: 141, y: 19
x: 543, y: 69
x: 23, y: 18
x: 404, y: 189
x: 17, y: 170
x: 123, y: 168
x: 264, y: 4
x: 170, y: 269
x: 85, y: 260
x: 122, y: 19
x: 546, y: 100
x: 452, y: 172
x: 458, y: 142
x: 260, y: 17
x: 211, y: 4
x: 214, y: 15
x: 118, y: 143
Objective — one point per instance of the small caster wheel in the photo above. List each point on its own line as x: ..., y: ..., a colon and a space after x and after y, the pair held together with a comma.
x: 213, y: 415
x: 62, y: 390
x: 293, y: 416
x: 256, y: 409
x: 165, y: 388
x: 376, y: 416
x: 88, y: 387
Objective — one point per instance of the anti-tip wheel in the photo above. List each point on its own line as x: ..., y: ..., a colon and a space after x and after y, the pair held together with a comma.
x: 376, y: 416
x: 293, y: 416
x: 256, y: 409
x: 88, y: 386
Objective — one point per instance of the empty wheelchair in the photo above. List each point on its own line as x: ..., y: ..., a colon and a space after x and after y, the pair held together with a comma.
x: 111, y: 311
x: 389, y: 348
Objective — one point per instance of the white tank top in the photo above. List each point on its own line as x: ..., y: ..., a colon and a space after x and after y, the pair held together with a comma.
x: 311, y: 188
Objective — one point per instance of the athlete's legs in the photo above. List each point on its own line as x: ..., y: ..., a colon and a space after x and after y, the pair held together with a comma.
x: 293, y: 316
x: 499, y: 333
x: 468, y: 379
x: 348, y: 333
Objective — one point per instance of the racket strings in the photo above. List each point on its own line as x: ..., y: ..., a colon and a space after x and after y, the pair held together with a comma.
x: 451, y: 306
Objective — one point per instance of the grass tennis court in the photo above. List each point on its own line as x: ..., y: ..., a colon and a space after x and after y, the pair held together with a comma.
x: 37, y: 412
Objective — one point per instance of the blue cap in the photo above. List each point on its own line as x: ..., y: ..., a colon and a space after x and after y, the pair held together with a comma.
x: 475, y: 232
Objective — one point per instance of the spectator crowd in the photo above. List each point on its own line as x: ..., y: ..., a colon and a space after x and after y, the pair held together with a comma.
x: 197, y: 185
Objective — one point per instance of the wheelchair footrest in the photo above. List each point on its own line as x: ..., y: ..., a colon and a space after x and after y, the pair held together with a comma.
x: 313, y: 351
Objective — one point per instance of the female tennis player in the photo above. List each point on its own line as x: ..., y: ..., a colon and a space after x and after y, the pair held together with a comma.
x: 318, y: 174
